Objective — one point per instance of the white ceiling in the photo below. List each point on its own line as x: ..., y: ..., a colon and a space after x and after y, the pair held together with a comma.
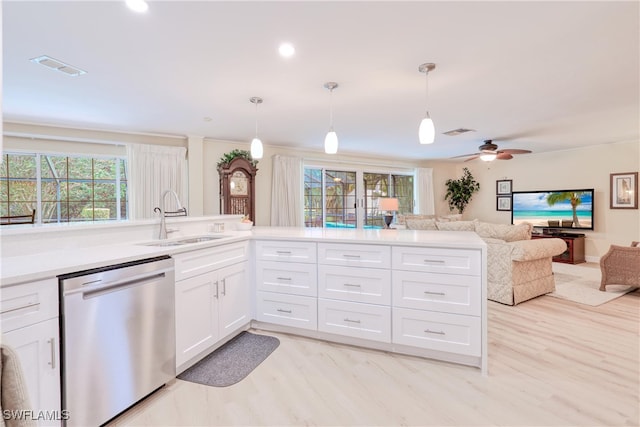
x: 541, y: 76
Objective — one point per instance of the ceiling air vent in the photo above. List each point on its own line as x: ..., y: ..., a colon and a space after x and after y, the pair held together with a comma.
x: 458, y: 131
x: 54, y: 64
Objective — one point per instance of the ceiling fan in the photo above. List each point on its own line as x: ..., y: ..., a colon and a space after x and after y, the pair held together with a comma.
x: 489, y: 151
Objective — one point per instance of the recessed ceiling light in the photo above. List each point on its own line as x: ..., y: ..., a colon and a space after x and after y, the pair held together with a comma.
x: 56, y: 65
x: 139, y: 6
x: 286, y: 50
x: 207, y: 119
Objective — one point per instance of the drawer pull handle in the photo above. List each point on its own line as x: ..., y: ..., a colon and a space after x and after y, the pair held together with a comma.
x: 350, y: 320
x: 52, y: 341
x: 351, y: 256
x: 352, y: 285
x: 434, y: 293
x: 428, y: 331
x: 284, y: 278
x: 434, y: 261
x: 283, y: 252
x: 281, y: 310
x: 22, y: 307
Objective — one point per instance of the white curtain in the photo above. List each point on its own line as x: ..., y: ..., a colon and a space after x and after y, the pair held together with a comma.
x: 152, y: 169
x: 426, y: 203
x: 286, y: 192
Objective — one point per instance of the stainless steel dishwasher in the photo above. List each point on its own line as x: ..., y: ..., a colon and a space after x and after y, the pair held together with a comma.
x: 118, y: 337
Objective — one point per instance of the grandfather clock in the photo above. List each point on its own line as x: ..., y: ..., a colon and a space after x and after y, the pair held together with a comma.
x: 237, y: 187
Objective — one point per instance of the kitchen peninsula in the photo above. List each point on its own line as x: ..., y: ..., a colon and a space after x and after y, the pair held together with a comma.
x: 414, y: 292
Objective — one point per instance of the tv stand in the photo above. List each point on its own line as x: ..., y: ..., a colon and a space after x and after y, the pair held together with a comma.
x: 575, y: 246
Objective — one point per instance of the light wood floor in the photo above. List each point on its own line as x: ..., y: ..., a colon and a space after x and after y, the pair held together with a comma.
x: 551, y: 363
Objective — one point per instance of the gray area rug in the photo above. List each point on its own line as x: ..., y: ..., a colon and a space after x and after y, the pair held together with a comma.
x: 233, y: 361
x: 585, y: 290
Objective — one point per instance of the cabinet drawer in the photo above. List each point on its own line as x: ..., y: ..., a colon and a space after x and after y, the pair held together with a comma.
x: 448, y: 293
x: 289, y: 278
x: 437, y: 260
x: 452, y: 333
x: 354, y: 255
x: 367, y: 285
x: 286, y: 251
x: 288, y: 310
x: 191, y: 264
x: 28, y: 303
x: 371, y: 322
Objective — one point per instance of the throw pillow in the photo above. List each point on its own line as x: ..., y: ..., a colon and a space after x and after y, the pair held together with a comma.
x: 456, y: 225
x: 402, y: 218
x: 506, y: 232
x: 421, y: 224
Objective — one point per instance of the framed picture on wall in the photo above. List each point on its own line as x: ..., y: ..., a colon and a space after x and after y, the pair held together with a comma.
x: 624, y: 191
x: 503, y: 186
x: 503, y: 203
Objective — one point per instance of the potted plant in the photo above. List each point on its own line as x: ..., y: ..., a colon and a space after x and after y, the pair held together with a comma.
x: 460, y: 191
x: 228, y: 157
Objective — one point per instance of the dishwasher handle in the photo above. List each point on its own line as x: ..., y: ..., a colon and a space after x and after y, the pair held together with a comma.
x: 95, y: 289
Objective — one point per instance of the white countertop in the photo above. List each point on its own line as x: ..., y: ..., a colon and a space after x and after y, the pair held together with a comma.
x: 42, y: 265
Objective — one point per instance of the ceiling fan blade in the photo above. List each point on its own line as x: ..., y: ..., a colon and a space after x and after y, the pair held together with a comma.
x: 504, y: 156
x: 515, y: 151
x: 472, y: 158
x: 465, y: 155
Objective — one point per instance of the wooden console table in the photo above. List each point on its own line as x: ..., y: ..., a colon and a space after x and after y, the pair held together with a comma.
x: 575, y: 248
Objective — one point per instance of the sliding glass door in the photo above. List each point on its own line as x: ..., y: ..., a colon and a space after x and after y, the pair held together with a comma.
x: 350, y: 199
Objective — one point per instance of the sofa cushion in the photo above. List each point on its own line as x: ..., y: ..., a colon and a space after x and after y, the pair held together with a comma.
x: 456, y: 225
x: 451, y: 217
x: 506, y: 232
x: 401, y: 219
x: 421, y: 224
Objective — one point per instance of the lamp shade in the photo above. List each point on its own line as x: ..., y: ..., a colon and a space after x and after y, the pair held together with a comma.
x: 331, y: 142
x: 388, y: 204
x: 256, y: 148
x: 427, y: 132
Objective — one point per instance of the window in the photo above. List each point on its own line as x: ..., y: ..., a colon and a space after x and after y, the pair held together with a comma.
x: 63, y: 188
x: 332, y: 197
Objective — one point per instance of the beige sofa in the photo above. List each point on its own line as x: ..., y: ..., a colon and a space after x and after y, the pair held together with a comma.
x: 518, y: 268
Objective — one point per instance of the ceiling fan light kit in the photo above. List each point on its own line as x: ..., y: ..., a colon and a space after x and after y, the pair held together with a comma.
x: 331, y: 140
x: 427, y: 131
x: 489, y: 152
x: 256, y: 145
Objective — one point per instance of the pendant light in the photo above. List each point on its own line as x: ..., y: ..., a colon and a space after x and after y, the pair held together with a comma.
x: 331, y: 140
x: 256, y: 144
x: 427, y: 132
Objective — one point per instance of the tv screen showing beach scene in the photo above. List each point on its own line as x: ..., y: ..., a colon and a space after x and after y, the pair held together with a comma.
x: 554, y: 209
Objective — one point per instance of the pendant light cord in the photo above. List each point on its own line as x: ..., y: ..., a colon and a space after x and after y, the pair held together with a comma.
x: 426, y: 93
x: 256, y: 119
x: 331, y: 109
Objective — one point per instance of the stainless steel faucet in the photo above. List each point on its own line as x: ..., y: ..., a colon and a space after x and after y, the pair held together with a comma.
x: 163, y: 213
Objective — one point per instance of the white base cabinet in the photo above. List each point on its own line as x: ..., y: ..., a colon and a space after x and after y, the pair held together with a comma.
x: 29, y: 320
x: 213, y: 299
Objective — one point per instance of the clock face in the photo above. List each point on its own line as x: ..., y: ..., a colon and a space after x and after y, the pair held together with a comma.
x: 238, y: 184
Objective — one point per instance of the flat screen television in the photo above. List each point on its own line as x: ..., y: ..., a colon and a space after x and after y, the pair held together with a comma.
x: 557, y: 209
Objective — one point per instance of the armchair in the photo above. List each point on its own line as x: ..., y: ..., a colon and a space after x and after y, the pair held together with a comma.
x: 621, y: 266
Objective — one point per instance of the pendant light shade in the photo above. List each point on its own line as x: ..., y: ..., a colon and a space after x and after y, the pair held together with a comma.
x: 427, y: 131
x: 331, y: 140
x: 256, y: 145
x: 331, y: 143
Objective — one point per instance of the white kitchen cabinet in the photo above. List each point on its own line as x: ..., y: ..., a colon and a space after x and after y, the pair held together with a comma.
x: 212, y: 304
x: 29, y: 320
x: 355, y: 290
x: 437, y: 300
x: 287, y: 283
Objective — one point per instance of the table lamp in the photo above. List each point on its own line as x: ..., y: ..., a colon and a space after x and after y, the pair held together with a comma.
x: 389, y: 204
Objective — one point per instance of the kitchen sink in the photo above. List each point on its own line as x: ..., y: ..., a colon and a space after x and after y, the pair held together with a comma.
x: 184, y: 241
